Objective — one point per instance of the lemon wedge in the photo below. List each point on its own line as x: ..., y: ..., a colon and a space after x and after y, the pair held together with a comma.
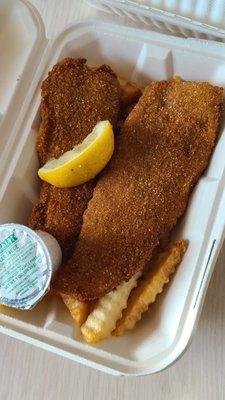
x: 84, y: 162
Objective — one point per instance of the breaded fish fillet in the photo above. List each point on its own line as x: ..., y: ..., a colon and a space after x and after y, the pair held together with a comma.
x: 164, y: 148
x: 74, y: 98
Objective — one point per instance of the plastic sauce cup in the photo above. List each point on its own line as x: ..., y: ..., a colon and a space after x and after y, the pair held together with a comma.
x: 28, y: 260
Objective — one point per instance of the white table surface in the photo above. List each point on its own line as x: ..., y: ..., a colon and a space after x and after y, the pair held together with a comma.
x: 28, y: 373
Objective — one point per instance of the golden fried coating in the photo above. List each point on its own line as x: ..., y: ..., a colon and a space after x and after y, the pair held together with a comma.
x: 74, y: 98
x: 160, y: 269
x: 60, y: 212
x: 164, y: 147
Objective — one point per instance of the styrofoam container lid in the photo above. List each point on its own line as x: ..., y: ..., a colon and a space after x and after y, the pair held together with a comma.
x: 22, y: 43
x: 185, y: 17
x: 210, y: 12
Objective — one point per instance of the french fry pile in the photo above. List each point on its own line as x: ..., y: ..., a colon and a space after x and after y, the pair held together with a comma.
x: 160, y: 269
x: 120, y: 310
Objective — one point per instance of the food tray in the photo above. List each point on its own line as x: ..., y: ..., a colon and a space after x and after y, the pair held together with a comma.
x: 167, y: 328
x: 188, y: 18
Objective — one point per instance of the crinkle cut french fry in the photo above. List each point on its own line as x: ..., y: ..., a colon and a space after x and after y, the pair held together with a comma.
x: 152, y: 284
x: 78, y: 309
x: 102, y: 320
x: 177, y: 78
x: 131, y: 92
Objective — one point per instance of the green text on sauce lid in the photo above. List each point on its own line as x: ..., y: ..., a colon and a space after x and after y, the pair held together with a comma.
x: 25, y: 267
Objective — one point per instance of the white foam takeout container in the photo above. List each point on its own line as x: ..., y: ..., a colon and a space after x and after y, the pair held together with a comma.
x: 166, y: 329
x: 196, y: 18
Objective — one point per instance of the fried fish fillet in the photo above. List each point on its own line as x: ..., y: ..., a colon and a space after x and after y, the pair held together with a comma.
x: 74, y: 98
x: 164, y: 148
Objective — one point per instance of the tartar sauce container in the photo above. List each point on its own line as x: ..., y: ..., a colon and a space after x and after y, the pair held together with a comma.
x: 28, y: 260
